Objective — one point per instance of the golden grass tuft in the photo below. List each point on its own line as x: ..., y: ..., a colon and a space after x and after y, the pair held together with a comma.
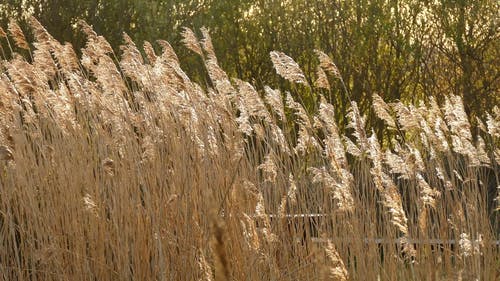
x: 120, y: 167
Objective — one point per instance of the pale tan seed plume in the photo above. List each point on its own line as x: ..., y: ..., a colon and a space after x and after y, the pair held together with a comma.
x: 23, y: 76
x: 333, y: 268
x: 306, y: 141
x: 408, y: 249
x: 148, y: 147
x: 382, y: 110
x: 464, y: 146
x: 252, y: 100
x: 168, y: 53
x: 275, y: 100
x: 150, y: 52
x: 469, y: 247
x: 269, y: 169
x: 215, y: 72
x: 287, y: 68
x: 327, y: 64
x: 191, y: 42
x: 260, y: 208
x: 300, y: 112
x: 397, y: 164
x: 219, y: 77
x: 282, y: 210
x: 90, y: 205
x: 414, y: 159
x: 213, y: 142
x: 351, y: 147
x: 67, y: 59
x: 406, y: 162
x: 428, y: 195
x: 481, y: 153
x: 481, y: 125
x: 41, y: 34
x: 204, y: 267
x: 86, y: 28
x: 288, y: 200
x: 457, y: 120
x: 279, y: 138
x: 132, y: 63
x: 43, y: 61
x: 456, y: 117
x: 206, y: 43
x: 440, y: 130
x: 250, y: 233
x: 338, y: 187
x: 327, y: 116
x: 357, y: 122
x: 17, y: 34
x: 375, y: 153
x: 407, y: 118
x: 391, y: 199
x: 322, y: 80
x: 334, y: 148
x: 493, y: 122
x: 243, y: 120
x: 292, y: 190
x: 96, y: 44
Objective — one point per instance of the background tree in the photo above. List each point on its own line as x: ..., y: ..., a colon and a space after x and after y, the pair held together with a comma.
x: 400, y: 49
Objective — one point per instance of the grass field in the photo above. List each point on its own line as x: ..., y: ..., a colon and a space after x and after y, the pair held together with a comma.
x: 119, y: 167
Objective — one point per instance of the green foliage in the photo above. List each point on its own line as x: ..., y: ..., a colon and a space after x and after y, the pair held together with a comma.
x: 401, y: 49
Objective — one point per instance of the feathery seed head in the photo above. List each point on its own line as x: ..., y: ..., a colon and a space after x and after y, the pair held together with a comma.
x: 327, y: 64
x: 17, y: 34
x: 382, y: 110
x: 191, y: 41
x: 322, y: 80
x: 287, y: 68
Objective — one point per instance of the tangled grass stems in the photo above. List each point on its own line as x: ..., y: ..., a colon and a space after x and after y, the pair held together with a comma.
x: 143, y: 174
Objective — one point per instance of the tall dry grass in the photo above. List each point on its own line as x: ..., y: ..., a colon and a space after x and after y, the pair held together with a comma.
x: 122, y: 168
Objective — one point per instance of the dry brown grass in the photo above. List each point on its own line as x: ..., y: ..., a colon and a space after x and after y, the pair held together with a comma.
x: 125, y: 169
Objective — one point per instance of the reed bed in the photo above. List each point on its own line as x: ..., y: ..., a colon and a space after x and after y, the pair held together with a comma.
x: 120, y: 167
